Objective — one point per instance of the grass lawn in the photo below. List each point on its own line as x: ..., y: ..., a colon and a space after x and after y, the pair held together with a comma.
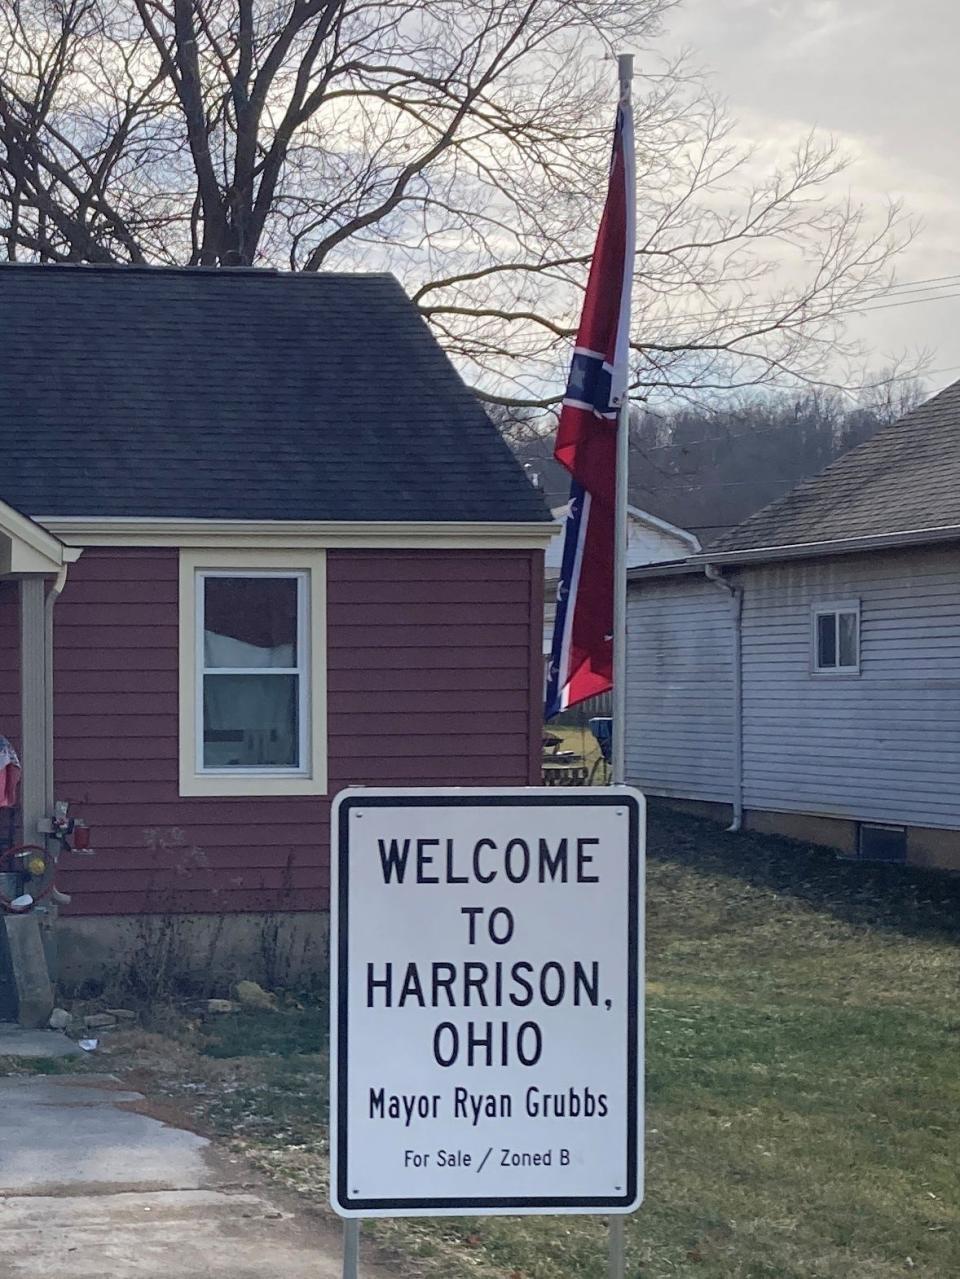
x: 803, y: 1080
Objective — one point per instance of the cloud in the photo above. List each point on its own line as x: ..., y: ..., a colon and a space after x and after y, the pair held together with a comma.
x: 880, y: 76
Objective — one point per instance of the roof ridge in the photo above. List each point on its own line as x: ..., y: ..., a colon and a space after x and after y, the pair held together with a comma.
x: 172, y: 392
x: 165, y: 268
x: 871, y: 455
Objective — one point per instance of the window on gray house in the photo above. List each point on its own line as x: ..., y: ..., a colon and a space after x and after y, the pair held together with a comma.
x: 836, y: 638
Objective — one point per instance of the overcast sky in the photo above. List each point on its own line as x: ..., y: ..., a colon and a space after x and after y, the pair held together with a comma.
x: 881, y: 75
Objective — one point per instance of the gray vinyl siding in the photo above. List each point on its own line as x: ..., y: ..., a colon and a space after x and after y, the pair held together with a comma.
x: 679, y: 730
x: 883, y: 745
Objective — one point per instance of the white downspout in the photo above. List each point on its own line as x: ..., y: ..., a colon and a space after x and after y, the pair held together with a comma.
x: 736, y: 612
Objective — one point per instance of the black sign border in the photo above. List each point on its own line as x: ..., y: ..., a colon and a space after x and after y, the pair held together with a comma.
x: 488, y: 1204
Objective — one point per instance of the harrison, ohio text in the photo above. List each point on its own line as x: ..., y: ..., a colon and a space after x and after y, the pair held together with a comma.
x: 486, y: 985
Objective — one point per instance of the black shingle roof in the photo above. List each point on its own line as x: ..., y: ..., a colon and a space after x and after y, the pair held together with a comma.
x: 906, y: 478
x: 225, y: 394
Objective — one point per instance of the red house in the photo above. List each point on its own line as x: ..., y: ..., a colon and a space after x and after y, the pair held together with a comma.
x: 257, y: 541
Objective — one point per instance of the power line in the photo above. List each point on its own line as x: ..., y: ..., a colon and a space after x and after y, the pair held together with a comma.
x: 931, y: 279
x: 899, y: 291
x: 896, y: 291
x: 890, y: 306
x: 859, y: 309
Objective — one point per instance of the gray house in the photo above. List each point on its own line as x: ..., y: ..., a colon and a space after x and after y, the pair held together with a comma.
x: 802, y: 675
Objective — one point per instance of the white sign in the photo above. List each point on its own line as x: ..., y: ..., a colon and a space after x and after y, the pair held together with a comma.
x: 487, y: 988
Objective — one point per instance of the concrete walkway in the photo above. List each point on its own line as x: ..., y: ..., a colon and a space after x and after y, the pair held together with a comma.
x: 93, y: 1186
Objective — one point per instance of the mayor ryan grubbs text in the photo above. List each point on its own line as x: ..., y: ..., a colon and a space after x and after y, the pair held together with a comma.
x: 505, y: 997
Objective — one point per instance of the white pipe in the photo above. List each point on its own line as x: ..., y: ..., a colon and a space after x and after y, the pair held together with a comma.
x: 715, y: 576
x: 33, y: 751
x: 56, y: 590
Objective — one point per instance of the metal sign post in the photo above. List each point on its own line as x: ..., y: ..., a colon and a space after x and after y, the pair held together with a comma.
x: 351, y: 1248
x: 486, y: 956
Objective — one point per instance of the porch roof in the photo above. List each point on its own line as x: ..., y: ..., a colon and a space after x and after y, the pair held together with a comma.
x: 26, y: 548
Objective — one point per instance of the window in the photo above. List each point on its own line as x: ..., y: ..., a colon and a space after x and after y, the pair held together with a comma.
x: 836, y: 638
x: 251, y: 673
x: 250, y: 632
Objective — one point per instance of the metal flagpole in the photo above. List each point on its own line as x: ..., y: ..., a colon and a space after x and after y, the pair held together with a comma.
x: 625, y: 69
x: 616, y: 1264
x: 620, y: 598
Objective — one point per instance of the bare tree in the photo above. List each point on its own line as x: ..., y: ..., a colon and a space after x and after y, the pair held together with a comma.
x: 459, y: 143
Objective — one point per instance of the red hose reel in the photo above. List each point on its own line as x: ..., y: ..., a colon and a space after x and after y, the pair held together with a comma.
x: 39, y: 864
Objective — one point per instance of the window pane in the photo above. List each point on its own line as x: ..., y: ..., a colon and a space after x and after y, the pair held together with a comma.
x: 250, y: 721
x: 826, y: 639
x: 848, y: 639
x: 250, y: 621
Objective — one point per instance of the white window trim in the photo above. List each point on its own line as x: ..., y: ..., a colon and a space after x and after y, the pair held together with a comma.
x: 818, y: 610
x: 311, y: 779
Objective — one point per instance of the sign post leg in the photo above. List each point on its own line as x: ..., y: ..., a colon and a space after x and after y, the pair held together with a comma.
x: 616, y: 1262
x: 351, y: 1248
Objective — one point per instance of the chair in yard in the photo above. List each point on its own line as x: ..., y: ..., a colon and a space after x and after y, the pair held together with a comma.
x: 602, y: 728
x: 559, y: 767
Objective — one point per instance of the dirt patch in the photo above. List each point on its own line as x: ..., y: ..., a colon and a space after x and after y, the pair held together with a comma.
x: 168, y: 1113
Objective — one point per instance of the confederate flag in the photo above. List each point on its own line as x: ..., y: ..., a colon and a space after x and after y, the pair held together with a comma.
x: 581, y: 659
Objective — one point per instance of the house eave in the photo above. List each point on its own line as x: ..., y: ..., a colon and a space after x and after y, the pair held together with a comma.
x: 26, y: 548
x: 82, y: 530
x: 836, y: 546
x: 664, y: 526
x: 668, y: 568
x: 652, y: 522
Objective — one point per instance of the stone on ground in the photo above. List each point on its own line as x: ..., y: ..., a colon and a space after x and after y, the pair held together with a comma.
x: 99, y: 1021
x: 250, y: 994
x: 16, y: 1041
x: 220, y: 1007
x: 122, y: 1014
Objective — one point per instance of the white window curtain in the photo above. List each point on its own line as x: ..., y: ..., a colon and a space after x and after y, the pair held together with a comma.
x: 251, y: 693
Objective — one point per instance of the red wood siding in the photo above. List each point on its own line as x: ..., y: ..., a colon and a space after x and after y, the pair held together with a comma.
x: 434, y: 675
